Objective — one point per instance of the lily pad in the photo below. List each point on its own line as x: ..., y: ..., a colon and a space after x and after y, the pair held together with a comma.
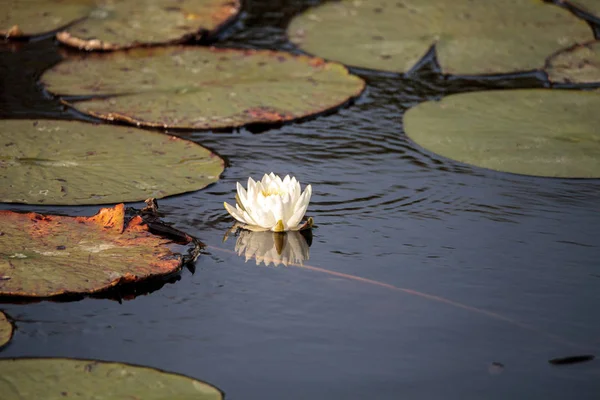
x: 6, y: 329
x: 59, y: 378
x: 580, y: 64
x: 23, y: 18
x: 471, y: 37
x: 49, y: 255
x: 108, y: 25
x: 552, y: 133
x: 68, y: 162
x: 202, y: 88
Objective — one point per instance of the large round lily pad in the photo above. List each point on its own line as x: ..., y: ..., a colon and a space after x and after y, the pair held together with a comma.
x: 580, y: 64
x: 471, y: 37
x: 6, y: 329
x: 104, y: 24
x: 68, y: 162
x: 48, y: 255
x: 202, y: 88
x: 63, y: 378
x: 551, y: 133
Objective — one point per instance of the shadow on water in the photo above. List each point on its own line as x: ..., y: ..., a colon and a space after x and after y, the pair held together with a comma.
x: 435, y: 278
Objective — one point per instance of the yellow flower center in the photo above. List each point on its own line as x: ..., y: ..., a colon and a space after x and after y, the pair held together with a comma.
x: 272, y: 192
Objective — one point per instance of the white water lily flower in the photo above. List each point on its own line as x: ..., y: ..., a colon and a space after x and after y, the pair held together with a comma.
x: 276, y: 248
x: 271, y: 204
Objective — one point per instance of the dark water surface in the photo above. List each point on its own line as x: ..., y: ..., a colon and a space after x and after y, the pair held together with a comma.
x: 513, y: 263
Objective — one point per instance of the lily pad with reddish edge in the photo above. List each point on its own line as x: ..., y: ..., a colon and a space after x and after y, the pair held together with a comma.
x: 59, y: 378
x: 50, y: 255
x: 71, y: 162
x: 201, y: 88
x: 470, y: 37
x: 110, y: 25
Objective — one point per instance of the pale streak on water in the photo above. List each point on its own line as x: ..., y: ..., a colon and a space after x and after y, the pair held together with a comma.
x: 521, y: 247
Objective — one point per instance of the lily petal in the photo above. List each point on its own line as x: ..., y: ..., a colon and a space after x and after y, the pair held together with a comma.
x: 242, y: 194
x: 294, y: 221
x: 234, y: 213
x: 304, y: 199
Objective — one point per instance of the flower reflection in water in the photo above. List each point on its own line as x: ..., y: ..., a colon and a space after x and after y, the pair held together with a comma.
x: 287, y: 248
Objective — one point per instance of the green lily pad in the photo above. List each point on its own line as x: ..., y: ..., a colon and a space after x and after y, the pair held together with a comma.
x: 579, y: 64
x: 552, y: 133
x: 49, y: 255
x: 6, y: 329
x: 60, y: 378
x: 68, y: 162
x: 23, y: 18
x: 202, y: 88
x: 471, y: 37
x: 108, y: 25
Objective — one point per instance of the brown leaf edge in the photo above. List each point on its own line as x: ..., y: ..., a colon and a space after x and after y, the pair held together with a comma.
x: 127, y: 289
x: 230, y: 10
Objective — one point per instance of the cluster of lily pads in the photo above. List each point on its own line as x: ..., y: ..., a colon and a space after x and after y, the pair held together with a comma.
x: 139, y: 70
x: 540, y: 132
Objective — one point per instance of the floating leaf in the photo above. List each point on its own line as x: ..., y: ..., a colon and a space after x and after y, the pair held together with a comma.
x: 107, y: 25
x: 68, y: 162
x: 202, y: 88
x: 34, y: 17
x: 540, y: 132
x: 6, y: 328
x: 471, y: 37
x: 58, y: 378
x: 580, y: 64
x: 48, y: 255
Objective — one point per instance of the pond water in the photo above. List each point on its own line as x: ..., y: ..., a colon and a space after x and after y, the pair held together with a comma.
x: 427, y: 278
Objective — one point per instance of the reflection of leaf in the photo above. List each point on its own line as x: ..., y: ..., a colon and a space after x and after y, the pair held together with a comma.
x: 202, y: 88
x: 48, y: 255
x: 99, y: 24
x: 69, y: 162
x: 57, y: 378
x: 471, y: 37
x: 289, y: 248
x: 551, y: 133
x: 6, y: 329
